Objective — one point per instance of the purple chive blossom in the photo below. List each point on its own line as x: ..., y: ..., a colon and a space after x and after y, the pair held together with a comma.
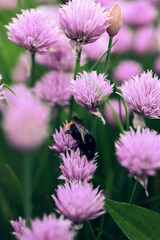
x: 142, y: 93
x: 109, y: 115
x: 76, y: 167
x: 60, y: 59
x: 8, y: 4
x: 22, y: 70
x: 33, y: 30
x: 49, y: 228
x: 91, y: 90
x: 140, y: 45
x: 145, y: 11
x: 79, y: 201
x: 26, y: 121
x: 126, y: 69
x: 63, y: 142
x: 83, y: 21
x: 19, y: 227
x: 139, y: 152
x: 54, y: 88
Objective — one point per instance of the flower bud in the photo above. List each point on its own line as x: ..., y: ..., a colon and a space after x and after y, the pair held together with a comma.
x: 115, y: 20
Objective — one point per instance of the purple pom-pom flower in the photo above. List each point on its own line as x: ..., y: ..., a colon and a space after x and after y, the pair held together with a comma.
x: 76, y: 167
x: 54, y: 88
x: 19, y: 227
x: 63, y: 142
x: 142, y: 93
x: 49, y: 228
x: 33, y: 30
x: 83, y: 21
x: 139, y: 152
x: 91, y: 90
x: 79, y: 201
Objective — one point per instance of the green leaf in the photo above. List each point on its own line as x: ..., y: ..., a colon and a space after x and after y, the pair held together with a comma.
x: 136, y: 222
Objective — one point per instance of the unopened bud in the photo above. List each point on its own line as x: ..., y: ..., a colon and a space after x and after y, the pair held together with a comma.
x: 115, y: 20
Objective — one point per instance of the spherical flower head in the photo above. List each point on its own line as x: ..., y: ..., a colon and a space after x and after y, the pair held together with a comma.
x: 127, y: 69
x: 8, y: 4
x: 22, y: 70
x: 33, y: 30
x: 140, y: 45
x: 61, y: 58
x: 76, y: 167
x: 115, y: 21
x: 19, y: 227
x: 54, y: 88
x: 157, y: 65
x: 83, y: 21
x: 139, y: 152
x: 145, y: 11
x: 26, y: 121
x: 63, y: 142
x: 79, y: 201
x: 120, y: 112
x: 125, y: 39
x: 49, y: 228
x: 99, y: 47
x: 142, y: 93
x: 91, y: 90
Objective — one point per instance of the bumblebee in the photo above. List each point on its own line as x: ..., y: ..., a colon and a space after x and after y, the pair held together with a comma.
x: 85, y: 140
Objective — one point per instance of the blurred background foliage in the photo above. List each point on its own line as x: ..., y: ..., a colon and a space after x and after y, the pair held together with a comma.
x: 110, y: 175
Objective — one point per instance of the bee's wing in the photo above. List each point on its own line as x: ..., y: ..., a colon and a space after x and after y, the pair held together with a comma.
x: 81, y: 127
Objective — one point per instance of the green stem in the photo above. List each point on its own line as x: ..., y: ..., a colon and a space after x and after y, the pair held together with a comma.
x: 76, y: 70
x: 108, y: 55
x: 133, y: 191
x: 32, y: 69
x: 116, y: 117
x: 27, y: 181
x: 102, y: 56
x: 77, y: 66
x: 101, y: 228
x: 127, y: 114
x: 91, y: 229
x: 9, y: 88
x: 126, y: 109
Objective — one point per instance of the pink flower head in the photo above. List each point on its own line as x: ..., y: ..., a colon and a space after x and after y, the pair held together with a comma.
x: 91, y: 90
x: 26, y: 121
x: 49, y: 228
x: 61, y: 58
x: 142, y: 93
x: 145, y: 11
x: 33, y: 30
x: 19, y: 227
x: 121, y: 114
x: 76, y: 167
x: 139, y: 152
x: 63, y: 142
x: 83, y: 21
x: 157, y: 65
x: 107, y: 3
x: 127, y: 69
x: 8, y: 4
x: 54, y: 88
x: 140, y: 45
x: 22, y: 70
x: 99, y: 46
x: 125, y: 39
x: 79, y: 201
